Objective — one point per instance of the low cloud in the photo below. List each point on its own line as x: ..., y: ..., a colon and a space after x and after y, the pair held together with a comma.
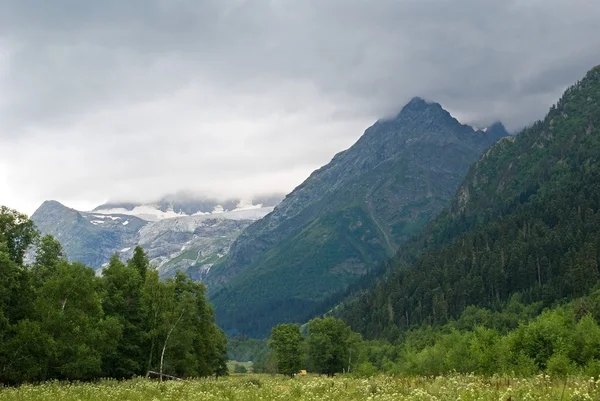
x: 122, y: 100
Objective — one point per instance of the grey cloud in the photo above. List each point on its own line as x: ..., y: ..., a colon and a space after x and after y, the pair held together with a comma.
x: 223, y: 95
x: 382, y: 52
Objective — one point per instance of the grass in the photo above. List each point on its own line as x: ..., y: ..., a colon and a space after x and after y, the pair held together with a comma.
x: 265, y: 388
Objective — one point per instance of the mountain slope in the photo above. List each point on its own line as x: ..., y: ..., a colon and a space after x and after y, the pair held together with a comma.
x: 193, y: 244
x: 186, y: 243
x: 87, y: 238
x: 346, y: 217
x: 526, y: 220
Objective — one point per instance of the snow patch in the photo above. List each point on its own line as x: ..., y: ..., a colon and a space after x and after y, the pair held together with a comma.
x: 97, y: 222
x: 247, y: 214
x: 126, y: 222
x: 102, y: 217
x: 144, y: 212
x: 152, y: 213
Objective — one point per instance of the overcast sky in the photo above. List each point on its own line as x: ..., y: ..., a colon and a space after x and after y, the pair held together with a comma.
x: 134, y: 99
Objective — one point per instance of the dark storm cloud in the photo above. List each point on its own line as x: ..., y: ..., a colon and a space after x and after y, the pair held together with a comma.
x: 231, y: 96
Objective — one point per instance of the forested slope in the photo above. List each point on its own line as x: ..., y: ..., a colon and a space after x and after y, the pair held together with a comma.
x: 526, y: 220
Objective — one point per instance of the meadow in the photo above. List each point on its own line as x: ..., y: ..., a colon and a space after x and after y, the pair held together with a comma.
x: 346, y: 388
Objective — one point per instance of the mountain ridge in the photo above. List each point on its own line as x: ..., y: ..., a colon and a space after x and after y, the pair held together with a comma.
x: 349, y: 206
x: 188, y: 243
x: 525, y: 220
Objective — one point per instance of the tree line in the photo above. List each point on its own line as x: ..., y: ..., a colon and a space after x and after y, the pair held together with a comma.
x: 326, y: 348
x: 59, y: 320
x: 518, y: 340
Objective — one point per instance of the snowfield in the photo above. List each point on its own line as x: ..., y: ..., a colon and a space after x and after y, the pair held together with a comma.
x: 244, y: 210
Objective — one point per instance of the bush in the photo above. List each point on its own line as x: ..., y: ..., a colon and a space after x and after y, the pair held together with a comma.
x: 525, y: 366
x: 560, y: 365
x: 365, y: 369
x: 592, y: 369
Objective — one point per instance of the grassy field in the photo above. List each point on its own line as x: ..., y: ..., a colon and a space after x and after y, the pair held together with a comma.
x: 264, y: 388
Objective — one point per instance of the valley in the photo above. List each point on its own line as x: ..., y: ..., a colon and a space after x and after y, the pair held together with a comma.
x: 300, y: 200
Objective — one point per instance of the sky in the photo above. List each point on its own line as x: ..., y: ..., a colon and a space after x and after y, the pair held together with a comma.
x: 132, y: 100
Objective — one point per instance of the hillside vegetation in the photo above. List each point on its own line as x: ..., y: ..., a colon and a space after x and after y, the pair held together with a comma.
x: 526, y: 220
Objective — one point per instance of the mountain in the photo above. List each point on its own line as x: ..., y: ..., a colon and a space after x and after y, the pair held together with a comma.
x: 347, y: 217
x: 526, y: 220
x: 193, y: 244
x: 87, y: 238
x: 190, y: 243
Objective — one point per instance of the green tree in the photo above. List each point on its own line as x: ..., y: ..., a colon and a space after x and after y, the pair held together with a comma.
x: 16, y: 290
x: 48, y: 255
x: 25, y: 353
x: 286, y: 341
x: 17, y: 233
x: 122, y: 300
x: 139, y: 261
x: 330, y: 342
x: 69, y: 309
x: 59, y: 320
x: 184, y: 338
x: 16, y: 306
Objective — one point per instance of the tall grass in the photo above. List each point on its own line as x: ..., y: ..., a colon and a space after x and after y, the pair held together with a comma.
x: 265, y: 388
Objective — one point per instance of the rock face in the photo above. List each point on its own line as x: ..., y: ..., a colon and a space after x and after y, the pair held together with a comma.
x: 346, y: 217
x: 187, y: 243
x: 86, y: 237
x: 193, y: 244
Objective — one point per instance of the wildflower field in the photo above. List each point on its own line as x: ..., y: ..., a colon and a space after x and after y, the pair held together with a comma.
x: 265, y: 388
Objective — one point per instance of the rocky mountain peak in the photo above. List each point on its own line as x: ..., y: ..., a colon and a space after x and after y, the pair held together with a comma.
x: 51, y: 205
x: 419, y: 119
x: 51, y: 209
x: 497, y: 128
x: 418, y: 104
x: 348, y: 216
x: 420, y: 107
